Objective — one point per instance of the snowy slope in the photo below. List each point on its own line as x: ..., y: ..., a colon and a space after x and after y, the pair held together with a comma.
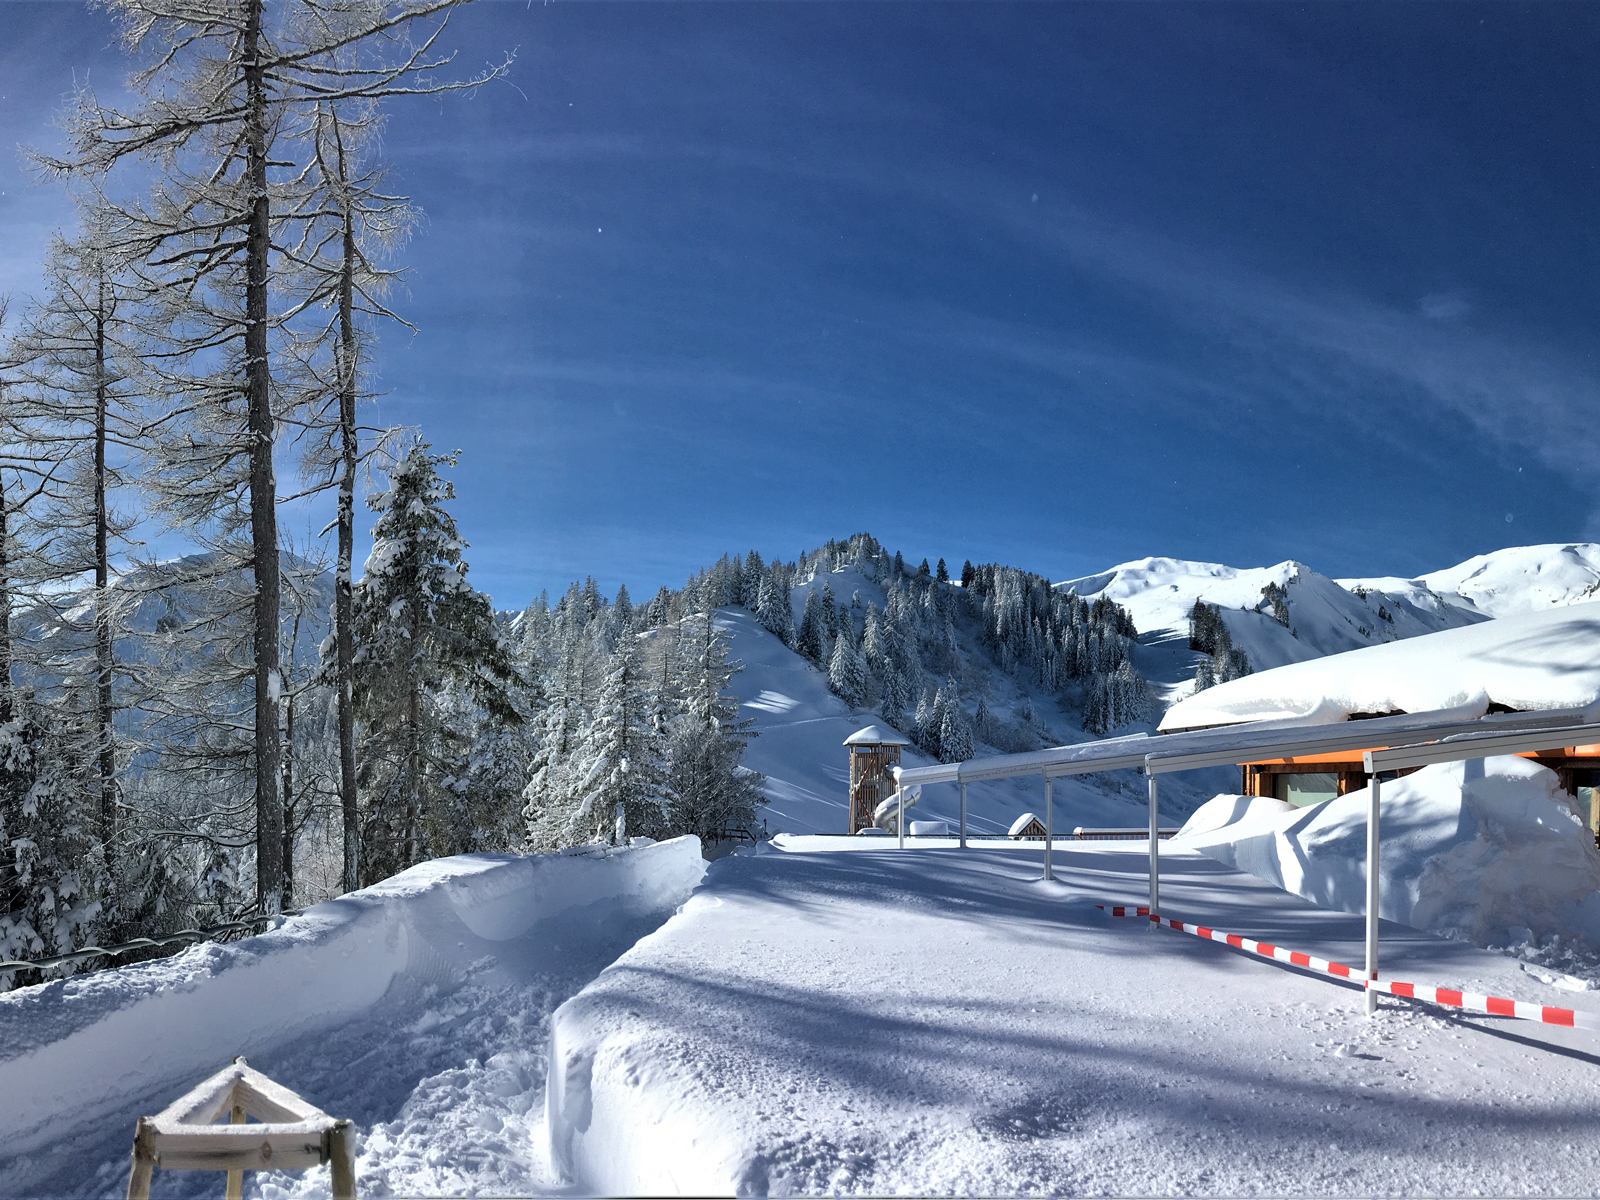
x: 1519, y: 579
x: 1541, y: 660
x: 833, y: 1018
x: 800, y: 749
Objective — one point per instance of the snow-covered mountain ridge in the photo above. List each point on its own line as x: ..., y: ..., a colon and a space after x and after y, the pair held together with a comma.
x: 1329, y: 616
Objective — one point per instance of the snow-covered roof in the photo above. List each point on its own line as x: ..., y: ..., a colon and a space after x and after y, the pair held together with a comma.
x: 875, y: 735
x: 1021, y: 823
x: 1534, y: 661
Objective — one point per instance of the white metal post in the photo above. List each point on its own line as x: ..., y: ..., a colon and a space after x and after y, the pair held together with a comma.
x: 963, y: 816
x: 1155, y: 849
x: 1049, y: 828
x: 900, y: 819
x: 1372, y: 892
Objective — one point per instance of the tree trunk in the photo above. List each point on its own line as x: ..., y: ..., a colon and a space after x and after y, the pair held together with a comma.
x: 107, y: 756
x: 289, y: 822
x: 263, y: 490
x: 343, y: 602
x: 413, y: 846
x: 288, y: 800
x: 7, y: 706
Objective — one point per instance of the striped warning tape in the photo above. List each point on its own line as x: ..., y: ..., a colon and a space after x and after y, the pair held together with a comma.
x: 1496, y: 1006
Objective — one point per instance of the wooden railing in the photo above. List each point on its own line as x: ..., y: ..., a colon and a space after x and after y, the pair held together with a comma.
x: 291, y: 1135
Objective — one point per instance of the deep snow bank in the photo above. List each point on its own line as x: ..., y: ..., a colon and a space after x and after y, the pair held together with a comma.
x: 1471, y: 850
x: 76, y: 1051
x: 1232, y: 812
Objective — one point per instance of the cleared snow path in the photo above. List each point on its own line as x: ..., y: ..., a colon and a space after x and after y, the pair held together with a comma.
x: 423, y: 1017
x: 830, y: 1016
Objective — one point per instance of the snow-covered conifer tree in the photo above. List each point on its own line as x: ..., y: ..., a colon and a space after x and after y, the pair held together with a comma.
x: 955, y: 734
x: 773, y: 608
x: 814, y: 631
x: 419, y: 627
x: 44, y: 908
x: 847, y: 674
x: 895, y: 696
x: 754, y: 572
x: 711, y: 791
x: 623, y: 788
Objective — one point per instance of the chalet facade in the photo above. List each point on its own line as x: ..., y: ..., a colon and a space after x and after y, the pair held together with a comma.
x: 1314, y: 778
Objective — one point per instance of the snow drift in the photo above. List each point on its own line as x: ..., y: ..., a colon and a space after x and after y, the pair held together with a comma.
x: 1541, y: 660
x: 76, y: 1052
x: 1232, y: 812
x: 1490, y: 851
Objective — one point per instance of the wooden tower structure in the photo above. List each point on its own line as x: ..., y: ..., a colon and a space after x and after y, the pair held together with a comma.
x: 873, y: 751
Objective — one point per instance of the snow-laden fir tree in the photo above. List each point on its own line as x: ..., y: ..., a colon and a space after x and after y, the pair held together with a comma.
x: 847, y: 673
x: 773, y: 608
x: 711, y: 791
x: 1116, y: 699
x: 895, y: 696
x: 955, y: 733
x: 548, y: 796
x: 1209, y: 635
x: 983, y: 722
x: 755, y: 570
x: 815, y: 635
x: 622, y: 790
x: 420, y: 627
x: 45, y: 908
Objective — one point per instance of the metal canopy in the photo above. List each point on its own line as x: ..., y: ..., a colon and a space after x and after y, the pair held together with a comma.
x: 1480, y: 745
x: 1230, y: 745
x: 1253, y: 744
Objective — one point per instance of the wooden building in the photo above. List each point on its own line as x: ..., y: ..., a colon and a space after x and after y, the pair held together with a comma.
x: 1027, y: 828
x: 1314, y: 778
x: 873, y: 751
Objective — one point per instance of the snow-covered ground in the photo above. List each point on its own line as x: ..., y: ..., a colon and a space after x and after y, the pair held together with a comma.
x: 836, y: 1014
x: 829, y: 1014
x: 417, y: 1008
x: 832, y: 1016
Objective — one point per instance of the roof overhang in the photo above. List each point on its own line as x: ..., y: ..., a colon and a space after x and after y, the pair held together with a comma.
x: 1232, y: 745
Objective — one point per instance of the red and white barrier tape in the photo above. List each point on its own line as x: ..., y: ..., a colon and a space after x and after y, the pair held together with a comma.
x: 1496, y: 1006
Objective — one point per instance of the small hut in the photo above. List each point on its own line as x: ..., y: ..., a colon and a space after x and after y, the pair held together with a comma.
x: 1027, y: 827
x: 873, y: 751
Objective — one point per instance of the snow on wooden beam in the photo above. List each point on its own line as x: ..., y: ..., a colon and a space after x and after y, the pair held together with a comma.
x: 292, y: 1134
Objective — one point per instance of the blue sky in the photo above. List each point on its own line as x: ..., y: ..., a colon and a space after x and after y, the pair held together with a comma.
x: 1053, y: 284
